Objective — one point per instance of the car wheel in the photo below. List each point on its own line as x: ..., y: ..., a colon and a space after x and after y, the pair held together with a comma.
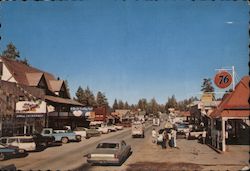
x: 78, y: 138
x: 2, y: 157
x: 64, y: 140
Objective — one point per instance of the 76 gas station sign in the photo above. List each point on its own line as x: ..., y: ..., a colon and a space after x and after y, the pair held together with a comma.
x: 223, y: 79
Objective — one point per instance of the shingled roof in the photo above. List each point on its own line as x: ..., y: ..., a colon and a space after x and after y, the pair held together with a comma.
x: 31, y: 76
x: 236, y: 103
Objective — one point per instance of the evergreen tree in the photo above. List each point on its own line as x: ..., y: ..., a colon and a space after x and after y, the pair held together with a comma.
x: 171, y: 103
x: 101, y: 99
x: 115, y: 105
x: 120, y: 104
x: 11, y: 52
x: 126, y: 106
x: 89, y: 98
x: 80, y: 95
x: 207, y: 85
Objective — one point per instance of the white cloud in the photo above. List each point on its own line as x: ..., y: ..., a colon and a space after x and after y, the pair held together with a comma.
x: 229, y: 22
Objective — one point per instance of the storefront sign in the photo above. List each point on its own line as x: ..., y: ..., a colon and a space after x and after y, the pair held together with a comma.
x: 31, y: 107
x: 81, y: 111
x: 223, y: 79
x: 29, y: 115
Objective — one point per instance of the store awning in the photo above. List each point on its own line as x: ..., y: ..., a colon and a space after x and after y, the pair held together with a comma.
x: 60, y: 100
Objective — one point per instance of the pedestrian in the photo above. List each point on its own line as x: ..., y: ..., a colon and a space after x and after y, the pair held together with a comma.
x: 154, y: 135
x: 204, y: 133
x: 174, y: 138
x: 164, y: 140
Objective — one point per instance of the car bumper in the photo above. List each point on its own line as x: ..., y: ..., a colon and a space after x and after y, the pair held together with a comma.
x: 103, y: 161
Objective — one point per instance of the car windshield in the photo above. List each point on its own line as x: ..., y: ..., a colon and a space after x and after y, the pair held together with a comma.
x: 108, y: 145
x: 79, y: 129
x: 26, y: 140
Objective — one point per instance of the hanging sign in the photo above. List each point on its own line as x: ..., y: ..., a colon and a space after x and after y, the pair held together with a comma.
x: 223, y: 79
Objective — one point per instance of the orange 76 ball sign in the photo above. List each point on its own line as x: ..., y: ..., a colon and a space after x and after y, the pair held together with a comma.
x: 223, y: 79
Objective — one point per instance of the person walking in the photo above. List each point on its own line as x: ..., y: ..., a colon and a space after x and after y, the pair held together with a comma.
x: 174, y: 138
x: 154, y: 136
x: 164, y: 139
x: 204, y: 134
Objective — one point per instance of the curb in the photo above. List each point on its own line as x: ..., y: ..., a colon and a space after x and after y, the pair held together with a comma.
x: 215, y: 149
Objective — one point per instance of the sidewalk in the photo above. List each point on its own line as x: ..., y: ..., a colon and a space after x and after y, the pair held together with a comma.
x: 190, y: 151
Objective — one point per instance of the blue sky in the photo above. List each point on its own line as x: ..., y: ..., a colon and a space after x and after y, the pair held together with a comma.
x: 130, y: 49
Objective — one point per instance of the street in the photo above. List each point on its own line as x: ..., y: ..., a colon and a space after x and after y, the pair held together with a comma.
x: 146, y: 155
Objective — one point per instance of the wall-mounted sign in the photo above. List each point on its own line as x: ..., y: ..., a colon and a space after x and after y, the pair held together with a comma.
x: 29, y: 115
x: 31, y: 107
x: 223, y: 79
x: 81, y: 111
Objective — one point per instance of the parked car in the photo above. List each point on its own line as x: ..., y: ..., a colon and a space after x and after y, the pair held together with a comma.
x: 138, y: 129
x: 63, y: 136
x: 182, y: 128
x: 8, y: 151
x: 195, y: 134
x: 111, y: 128
x: 23, y: 142
x: 92, y: 132
x: 110, y: 152
x: 81, y: 131
x: 118, y: 127
x: 103, y: 129
x: 43, y: 141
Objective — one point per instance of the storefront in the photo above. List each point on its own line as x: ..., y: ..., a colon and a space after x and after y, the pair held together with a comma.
x: 30, y: 117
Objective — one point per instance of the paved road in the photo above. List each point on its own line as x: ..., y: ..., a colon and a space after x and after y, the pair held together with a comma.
x: 67, y: 156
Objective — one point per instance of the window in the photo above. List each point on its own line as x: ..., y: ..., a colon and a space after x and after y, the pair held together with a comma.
x: 3, y: 140
x: 26, y: 140
x: 47, y: 132
x: 12, y: 140
x: 108, y: 145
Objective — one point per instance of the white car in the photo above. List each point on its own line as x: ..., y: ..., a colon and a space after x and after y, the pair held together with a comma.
x: 81, y: 131
x: 119, y: 127
x: 23, y: 142
x: 103, y: 129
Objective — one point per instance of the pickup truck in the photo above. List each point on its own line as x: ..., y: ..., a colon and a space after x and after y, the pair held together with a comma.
x: 43, y: 141
x: 138, y: 129
x: 61, y: 136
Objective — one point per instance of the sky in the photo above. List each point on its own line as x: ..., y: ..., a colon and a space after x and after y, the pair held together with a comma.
x: 130, y: 49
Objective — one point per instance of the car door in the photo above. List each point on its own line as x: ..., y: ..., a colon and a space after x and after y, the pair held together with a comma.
x: 13, y: 142
x: 124, y: 149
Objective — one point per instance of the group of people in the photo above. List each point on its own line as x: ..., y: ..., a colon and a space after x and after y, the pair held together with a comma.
x: 168, y: 138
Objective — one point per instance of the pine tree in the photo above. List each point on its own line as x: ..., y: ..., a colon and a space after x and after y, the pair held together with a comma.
x: 80, y: 95
x: 101, y: 99
x: 11, y: 52
x: 120, y: 104
x: 115, y: 105
x: 207, y: 85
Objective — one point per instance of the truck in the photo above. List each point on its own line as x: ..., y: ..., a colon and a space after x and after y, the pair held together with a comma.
x: 156, y: 122
x: 61, y: 136
x: 138, y: 129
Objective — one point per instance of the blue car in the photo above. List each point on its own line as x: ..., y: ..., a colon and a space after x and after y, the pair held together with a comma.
x: 10, y: 151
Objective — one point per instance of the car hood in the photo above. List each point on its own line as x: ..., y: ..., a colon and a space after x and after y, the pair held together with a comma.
x: 104, y: 151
